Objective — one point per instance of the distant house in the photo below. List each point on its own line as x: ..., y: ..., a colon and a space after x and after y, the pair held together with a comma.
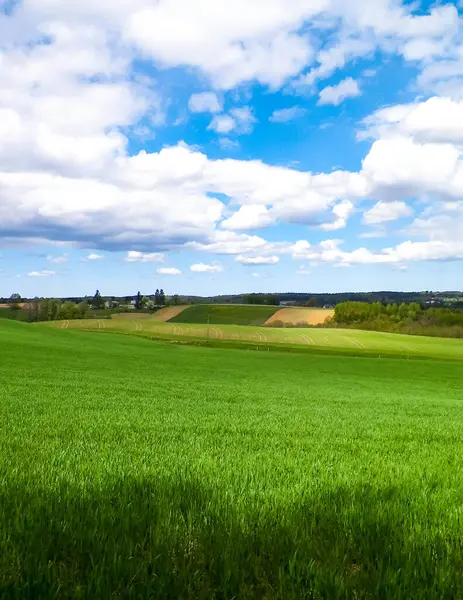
x: 111, y: 304
x: 289, y: 303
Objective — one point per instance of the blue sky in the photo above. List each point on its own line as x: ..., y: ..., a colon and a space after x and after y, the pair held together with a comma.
x: 212, y: 147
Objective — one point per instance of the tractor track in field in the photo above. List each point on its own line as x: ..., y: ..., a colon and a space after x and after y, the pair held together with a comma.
x: 138, y: 325
x: 308, y: 340
x: 218, y: 333
x: 354, y: 343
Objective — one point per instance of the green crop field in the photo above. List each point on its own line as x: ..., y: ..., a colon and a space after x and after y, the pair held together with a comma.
x: 131, y: 468
x: 344, y: 341
x: 223, y: 314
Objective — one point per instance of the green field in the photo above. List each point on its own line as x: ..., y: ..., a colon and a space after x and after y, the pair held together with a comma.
x: 138, y: 469
x: 318, y: 340
x: 225, y: 314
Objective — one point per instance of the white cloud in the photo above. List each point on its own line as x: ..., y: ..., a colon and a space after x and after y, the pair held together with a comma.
x: 93, y: 256
x: 206, y: 102
x: 336, y: 57
x: 244, y: 119
x: 169, y: 271
x: 145, y: 257
x: 72, y: 180
x: 258, y: 260
x: 285, y: 115
x: 386, y: 211
x: 329, y: 252
x: 228, y: 144
x: 223, y: 124
x: 401, y: 167
x: 43, y: 273
x: 230, y: 243
x: 437, y: 120
x: 252, y: 216
x: 232, y: 42
x: 240, y: 120
x: 341, y: 214
x: 336, y: 94
x: 57, y: 260
x: 203, y: 268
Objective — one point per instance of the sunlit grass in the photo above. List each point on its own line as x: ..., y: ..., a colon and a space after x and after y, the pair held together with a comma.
x: 132, y: 469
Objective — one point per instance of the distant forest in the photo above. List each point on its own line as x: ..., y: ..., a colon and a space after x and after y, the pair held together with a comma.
x: 409, y: 318
x: 449, y: 299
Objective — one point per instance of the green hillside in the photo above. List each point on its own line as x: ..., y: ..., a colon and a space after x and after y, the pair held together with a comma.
x: 225, y: 314
x: 136, y: 469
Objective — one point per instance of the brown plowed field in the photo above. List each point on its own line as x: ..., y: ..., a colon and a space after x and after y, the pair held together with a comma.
x: 310, y: 316
x: 165, y: 314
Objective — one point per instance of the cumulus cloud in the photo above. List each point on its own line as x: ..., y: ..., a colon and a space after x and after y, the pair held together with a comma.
x: 203, y: 268
x: 223, y: 124
x: 57, y: 260
x: 386, y: 211
x: 169, y: 271
x: 336, y: 94
x: 74, y: 180
x: 231, y: 243
x: 43, y: 273
x: 206, y: 102
x: 144, y: 257
x: 329, y: 252
x: 341, y: 213
x: 228, y: 144
x: 240, y: 120
x: 437, y: 120
x: 285, y: 115
x: 258, y: 260
x: 93, y: 256
x: 253, y: 216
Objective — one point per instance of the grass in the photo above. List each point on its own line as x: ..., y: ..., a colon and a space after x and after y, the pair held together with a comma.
x: 225, y: 314
x: 133, y: 469
x: 318, y: 340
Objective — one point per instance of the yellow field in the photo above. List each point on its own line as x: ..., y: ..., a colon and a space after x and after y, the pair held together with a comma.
x: 310, y: 316
x: 351, y: 340
x: 165, y: 314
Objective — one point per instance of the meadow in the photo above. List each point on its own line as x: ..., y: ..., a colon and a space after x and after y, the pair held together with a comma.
x: 139, y: 469
x: 318, y: 340
x: 223, y: 314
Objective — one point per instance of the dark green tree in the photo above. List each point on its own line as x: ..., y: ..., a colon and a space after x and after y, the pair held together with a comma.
x: 162, y: 298
x: 83, y: 309
x: 156, y: 298
x: 97, y: 301
x: 138, y: 301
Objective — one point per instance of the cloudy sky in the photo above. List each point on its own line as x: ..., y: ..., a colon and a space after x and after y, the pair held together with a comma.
x: 223, y: 146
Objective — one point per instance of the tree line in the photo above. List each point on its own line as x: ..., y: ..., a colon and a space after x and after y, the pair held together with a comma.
x: 54, y: 309
x: 409, y: 318
x: 267, y: 299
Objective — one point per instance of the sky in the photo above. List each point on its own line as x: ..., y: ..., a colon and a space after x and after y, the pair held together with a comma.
x: 228, y: 146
